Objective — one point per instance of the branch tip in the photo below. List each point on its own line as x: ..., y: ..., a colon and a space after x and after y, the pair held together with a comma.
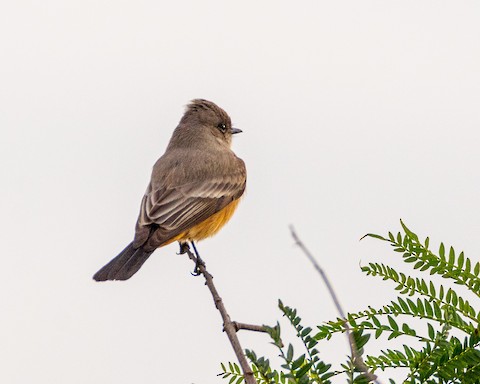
x: 356, y: 356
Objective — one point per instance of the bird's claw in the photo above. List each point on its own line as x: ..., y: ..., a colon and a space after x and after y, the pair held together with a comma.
x: 197, y: 271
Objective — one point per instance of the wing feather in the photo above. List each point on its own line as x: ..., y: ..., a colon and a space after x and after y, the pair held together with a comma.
x: 175, y: 209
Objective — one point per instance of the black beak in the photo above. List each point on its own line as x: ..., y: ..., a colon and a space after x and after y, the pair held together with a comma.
x: 236, y: 130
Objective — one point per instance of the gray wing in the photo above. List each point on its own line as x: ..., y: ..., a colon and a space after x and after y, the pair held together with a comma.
x: 176, y: 209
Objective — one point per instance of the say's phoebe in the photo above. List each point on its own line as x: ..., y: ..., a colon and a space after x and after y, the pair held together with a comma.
x: 194, y: 189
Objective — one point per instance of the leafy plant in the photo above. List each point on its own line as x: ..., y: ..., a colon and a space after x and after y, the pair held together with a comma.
x: 445, y: 338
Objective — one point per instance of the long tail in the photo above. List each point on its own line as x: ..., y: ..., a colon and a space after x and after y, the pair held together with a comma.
x: 124, y: 266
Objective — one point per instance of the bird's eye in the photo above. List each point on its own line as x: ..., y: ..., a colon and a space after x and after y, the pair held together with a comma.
x: 222, y: 127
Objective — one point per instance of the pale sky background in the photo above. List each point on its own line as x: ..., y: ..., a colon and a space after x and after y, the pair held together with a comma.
x: 355, y: 114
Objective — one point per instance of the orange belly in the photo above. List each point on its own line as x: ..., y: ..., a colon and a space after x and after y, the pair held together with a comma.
x: 208, y: 227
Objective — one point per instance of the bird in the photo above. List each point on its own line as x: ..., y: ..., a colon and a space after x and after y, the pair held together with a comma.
x: 195, y: 188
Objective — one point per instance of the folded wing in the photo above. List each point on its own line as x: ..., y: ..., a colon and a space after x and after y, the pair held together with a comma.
x: 176, y: 209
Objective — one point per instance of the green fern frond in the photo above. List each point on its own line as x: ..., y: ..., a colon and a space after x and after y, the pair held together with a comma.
x: 439, y: 357
x: 459, y: 268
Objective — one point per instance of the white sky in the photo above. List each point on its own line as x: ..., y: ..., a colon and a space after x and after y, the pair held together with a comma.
x: 355, y: 114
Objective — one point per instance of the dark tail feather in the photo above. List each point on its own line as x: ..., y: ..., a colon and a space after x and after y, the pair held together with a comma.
x: 124, y: 266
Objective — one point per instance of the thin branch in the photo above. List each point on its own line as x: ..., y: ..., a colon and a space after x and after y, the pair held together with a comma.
x: 249, y: 327
x: 228, y: 325
x: 357, y: 357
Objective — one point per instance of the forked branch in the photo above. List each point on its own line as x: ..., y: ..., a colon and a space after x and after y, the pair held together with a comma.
x: 229, y: 326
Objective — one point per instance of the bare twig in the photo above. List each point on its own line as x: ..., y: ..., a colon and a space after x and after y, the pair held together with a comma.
x: 249, y: 327
x: 357, y: 358
x: 229, y: 326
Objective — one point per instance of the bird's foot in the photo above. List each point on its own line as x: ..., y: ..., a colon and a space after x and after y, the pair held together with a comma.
x: 184, y: 248
x: 198, y: 263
